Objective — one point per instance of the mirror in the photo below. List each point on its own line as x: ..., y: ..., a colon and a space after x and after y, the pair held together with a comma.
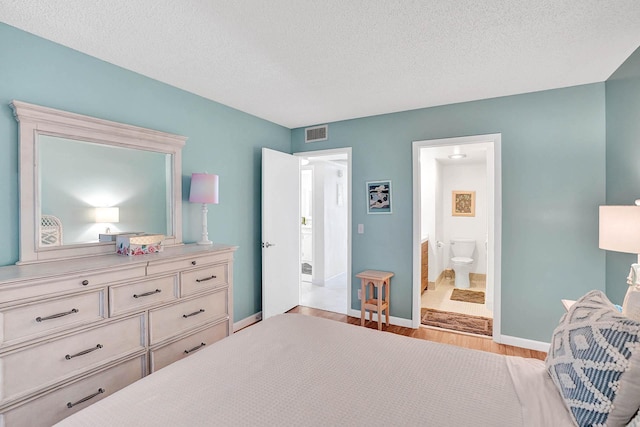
x: 79, y: 178
x: 83, y: 180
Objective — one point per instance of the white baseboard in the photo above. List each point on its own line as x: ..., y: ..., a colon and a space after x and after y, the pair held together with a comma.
x: 407, y: 323
x: 336, y: 276
x: 323, y: 282
x: 247, y: 321
x: 502, y: 339
x: 524, y: 343
x: 398, y: 321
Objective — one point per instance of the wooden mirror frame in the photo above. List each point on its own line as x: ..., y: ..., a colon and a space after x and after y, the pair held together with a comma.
x: 35, y: 120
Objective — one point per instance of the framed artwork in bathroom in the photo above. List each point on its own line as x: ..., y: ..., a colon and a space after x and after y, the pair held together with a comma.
x: 379, y: 197
x: 463, y: 203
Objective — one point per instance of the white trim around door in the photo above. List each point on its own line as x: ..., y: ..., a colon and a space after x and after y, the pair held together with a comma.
x: 494, y: 212
x: 328, y: 153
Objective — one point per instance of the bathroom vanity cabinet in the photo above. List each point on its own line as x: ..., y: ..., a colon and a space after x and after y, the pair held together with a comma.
x: 424, y: 265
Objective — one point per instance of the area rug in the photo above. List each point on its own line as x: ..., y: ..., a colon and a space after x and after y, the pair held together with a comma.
x: 476, y: 297
x: 457, y: 321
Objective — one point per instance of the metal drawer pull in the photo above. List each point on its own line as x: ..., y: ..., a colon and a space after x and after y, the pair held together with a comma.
x: 85, y: 282
x: 82, y: 353
x: 146, y: 294
x: 193, y: 263
x: 55, y: 316
x: 205, y: 279
x: 194, y: 313
x: 196, y: 348
x: 84, y: 399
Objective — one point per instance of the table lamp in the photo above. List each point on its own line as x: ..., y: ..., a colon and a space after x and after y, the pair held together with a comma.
x: 620, y: 232
x: 108, y: 216
x: 204, y: 189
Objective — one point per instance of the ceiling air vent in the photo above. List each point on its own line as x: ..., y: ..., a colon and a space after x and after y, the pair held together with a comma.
x: 316, y: 133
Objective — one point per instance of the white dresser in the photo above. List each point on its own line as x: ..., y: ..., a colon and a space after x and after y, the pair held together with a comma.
x: 73, y: 332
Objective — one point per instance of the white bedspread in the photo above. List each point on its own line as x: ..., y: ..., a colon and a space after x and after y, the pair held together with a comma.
x: 299, y: 370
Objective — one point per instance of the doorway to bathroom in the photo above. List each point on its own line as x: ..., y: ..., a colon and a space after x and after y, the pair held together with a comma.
x: 325, y: 212
x: 456, y: 234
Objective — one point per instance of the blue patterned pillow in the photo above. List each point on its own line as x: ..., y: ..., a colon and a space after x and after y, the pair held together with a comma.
x: 594, y: 360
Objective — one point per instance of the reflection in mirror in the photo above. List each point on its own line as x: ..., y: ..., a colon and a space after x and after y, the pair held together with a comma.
x: 76, y: 177
x: 71, y: 165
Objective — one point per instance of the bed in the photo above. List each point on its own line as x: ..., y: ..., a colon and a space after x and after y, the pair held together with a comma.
x: 299, y: 370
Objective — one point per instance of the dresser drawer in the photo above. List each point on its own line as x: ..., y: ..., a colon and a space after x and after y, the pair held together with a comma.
x: 53, y: 407
x: 175, y: 319
x: 33, y: 368
x: 139, y: 295
x: 167, y: 354
x: 78, y: 282
x: 204, y: 279
x: 164, y: 266
x: 30, y: 321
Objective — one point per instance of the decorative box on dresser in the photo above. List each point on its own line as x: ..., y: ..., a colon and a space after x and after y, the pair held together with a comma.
x: 75, y: 331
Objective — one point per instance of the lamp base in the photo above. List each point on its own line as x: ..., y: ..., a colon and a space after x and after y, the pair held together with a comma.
x: 204, y: 239
x: 631, y: 304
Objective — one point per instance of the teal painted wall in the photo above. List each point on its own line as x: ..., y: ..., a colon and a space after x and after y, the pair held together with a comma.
x: 623, y: 152
x: 221, y: 140
x: 553, y: 173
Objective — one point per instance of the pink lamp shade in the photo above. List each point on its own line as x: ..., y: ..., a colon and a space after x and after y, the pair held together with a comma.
x: 204, y: 188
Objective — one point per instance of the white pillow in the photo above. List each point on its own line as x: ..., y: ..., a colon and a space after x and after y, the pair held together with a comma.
x: 594, y: 361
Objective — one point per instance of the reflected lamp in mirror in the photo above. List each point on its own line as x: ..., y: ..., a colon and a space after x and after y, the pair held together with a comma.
x: 204, y: 189
x: 620, y: 232
x: 65, y: 145
x: 108, y: 216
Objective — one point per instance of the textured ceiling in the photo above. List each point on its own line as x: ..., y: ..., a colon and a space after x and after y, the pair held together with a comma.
x: 304, y: 62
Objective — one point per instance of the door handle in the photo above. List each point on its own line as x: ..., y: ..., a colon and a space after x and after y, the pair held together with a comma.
x: 266, y: 245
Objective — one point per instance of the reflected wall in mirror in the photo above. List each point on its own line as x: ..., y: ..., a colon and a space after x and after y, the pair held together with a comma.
x: 71, y: 164
x: 82, y: 176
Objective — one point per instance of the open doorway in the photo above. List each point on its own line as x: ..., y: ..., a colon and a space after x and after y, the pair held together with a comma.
x: 456, y: 234
x: 325, y: 229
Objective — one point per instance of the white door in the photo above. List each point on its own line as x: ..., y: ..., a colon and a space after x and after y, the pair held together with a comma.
x: 280, y: 232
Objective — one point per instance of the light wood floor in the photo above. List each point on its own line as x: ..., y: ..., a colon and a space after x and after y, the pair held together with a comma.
x: 437, y: 335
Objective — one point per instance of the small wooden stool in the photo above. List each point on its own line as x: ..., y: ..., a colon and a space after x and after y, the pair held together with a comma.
x: 379, y: 280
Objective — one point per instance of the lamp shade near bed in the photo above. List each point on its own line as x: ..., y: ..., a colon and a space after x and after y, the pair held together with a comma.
x: 204, y: 189
x: 620, y: 232
x: 620, y: 228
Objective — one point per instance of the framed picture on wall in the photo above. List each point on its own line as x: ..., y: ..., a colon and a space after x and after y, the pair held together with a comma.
x: 463, y: 203
x: 379, y: 197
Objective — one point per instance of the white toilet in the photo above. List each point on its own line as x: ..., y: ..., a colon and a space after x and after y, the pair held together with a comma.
x: 461, y: 262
